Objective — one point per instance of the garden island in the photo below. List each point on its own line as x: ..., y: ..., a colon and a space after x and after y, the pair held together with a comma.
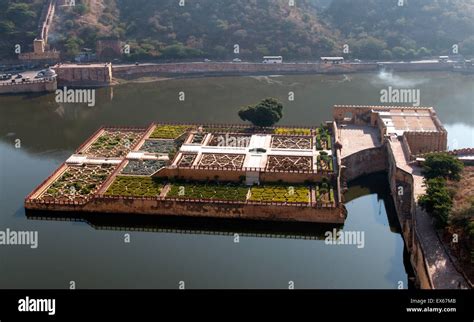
x: 199, y: 170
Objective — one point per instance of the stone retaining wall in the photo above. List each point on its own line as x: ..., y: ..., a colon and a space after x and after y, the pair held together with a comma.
x: 402, y: 191
x: 163, y: 207
x: 28, y: 87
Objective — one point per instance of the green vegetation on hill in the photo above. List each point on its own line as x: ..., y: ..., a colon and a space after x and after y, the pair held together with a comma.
x: 377, y: 29
x: 18, y: 25
x: 209, y: 28
x: 373, y: 29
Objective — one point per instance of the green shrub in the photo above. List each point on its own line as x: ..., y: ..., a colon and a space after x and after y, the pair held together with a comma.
x: 437, y: 200
x: 442, y: 165
x: 168, y: 131
x: 280, y: 193
x: 209, y: 190
x: 135, y: 186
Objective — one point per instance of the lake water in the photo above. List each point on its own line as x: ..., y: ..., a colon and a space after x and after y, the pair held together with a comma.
x: 96, y: 256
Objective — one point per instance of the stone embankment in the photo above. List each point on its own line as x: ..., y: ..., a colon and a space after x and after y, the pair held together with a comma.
x: 432, y: 265
x: 228, y: 68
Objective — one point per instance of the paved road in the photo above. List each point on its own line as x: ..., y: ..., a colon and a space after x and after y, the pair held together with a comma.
x: 31, y: 74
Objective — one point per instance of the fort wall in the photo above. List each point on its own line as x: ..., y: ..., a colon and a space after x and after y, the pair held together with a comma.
x: 41, y: 50
x: 402, y: 191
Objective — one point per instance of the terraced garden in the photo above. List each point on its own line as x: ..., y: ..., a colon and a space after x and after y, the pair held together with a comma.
x: 169, y: 131
x: 143, y: 167
x: 280, y: 193
x: 77, y: 182
x: 213, y: 191
x: 113, y: 144
x: 135, y: 186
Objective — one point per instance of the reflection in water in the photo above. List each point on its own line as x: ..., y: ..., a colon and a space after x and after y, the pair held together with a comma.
x: 388, y: 78
x: 199, y: 226
x: 375, y: 184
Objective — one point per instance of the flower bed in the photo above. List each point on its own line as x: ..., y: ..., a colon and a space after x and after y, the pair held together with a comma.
x: 225, y: 191
x: 135, y: 186
x: 198, y: 138
x: 77, y: 182
x: 231, y: 129
x: 292, y: 131
x: 289, y: 163
x: 158, y: 146
x: 325, y: 162
x: 323, y: 142
x: 229, y: 161
x: 280, y: 193
x: 143, y: 167
x: 291, y: 142
x: 113, y: 144
x: 187, y: 160
x: 230, y: 140
x: 169, y: 131
x: 323, y: 138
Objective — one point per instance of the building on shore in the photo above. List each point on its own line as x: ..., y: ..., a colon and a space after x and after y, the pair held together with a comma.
x: 419, y: 128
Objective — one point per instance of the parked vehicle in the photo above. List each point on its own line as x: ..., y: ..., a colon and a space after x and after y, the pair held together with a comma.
x: 19, y: 76
x: 272, y: 59
x: 237, y: 60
